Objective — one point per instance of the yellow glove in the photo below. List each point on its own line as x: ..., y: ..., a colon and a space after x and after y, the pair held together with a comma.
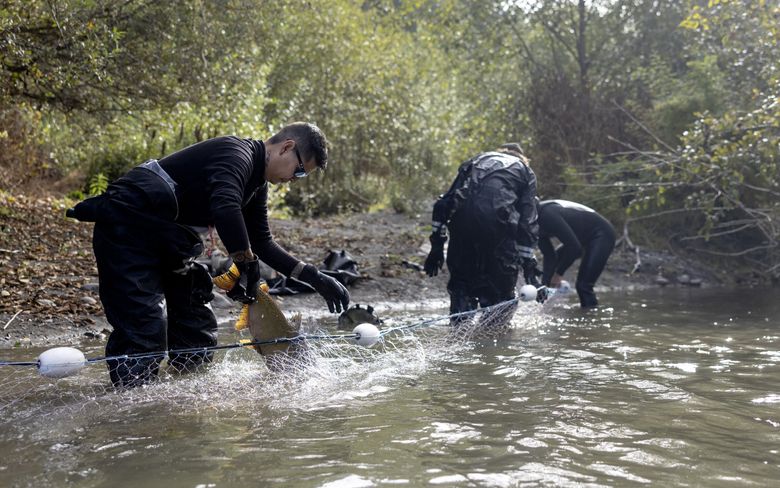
x: 227, y: 281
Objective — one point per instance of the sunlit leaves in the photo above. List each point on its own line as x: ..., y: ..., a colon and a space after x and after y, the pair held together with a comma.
x: 637, y: 106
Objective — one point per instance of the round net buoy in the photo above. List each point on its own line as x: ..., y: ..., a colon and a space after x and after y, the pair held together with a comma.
x: 366, y: 334
x: 61, y: 362
x: 564, y: 287
x: 528, y: 293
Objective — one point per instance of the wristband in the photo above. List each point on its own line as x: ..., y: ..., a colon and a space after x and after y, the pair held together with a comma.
x: 296, y: 272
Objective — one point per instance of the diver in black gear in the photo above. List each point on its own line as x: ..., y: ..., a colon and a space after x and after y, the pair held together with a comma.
x: 583, y: 233
x: 490, y: 211
x: 146, y: 239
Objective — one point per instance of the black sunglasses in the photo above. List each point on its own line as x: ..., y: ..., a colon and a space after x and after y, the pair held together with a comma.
x: 300, y: 171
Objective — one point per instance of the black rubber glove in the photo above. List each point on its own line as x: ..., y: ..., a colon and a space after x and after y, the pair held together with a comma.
x: 201, y: 284
x: 245, y: 289
x: 530, y: 272
x: 334, y: 293
x: 542, y: 294
x: 435, y: 260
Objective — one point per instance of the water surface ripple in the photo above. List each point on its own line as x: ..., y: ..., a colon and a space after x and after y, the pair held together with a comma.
x: 664, y: 387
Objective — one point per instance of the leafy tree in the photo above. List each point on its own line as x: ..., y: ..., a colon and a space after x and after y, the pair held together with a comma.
x: 119, y: 54
x: 378, y: 91
x: 660, y: 113
x: 105, y: 79
x: 729, y: 164
x: 583, y: 58
x: 717, y: 193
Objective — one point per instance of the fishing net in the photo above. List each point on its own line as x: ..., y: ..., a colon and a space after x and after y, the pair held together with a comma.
x: 233, y: 376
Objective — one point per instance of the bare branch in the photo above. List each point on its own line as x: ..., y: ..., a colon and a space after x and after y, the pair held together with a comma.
x: 672, y: 211
x: 671, y: 184
x: 528, y: 55
x: 736, y: 253
x: 718, y: 234
x: 758, y: 188
x: 12, y: 319
x: 644, y: 127
x: 630, y: 245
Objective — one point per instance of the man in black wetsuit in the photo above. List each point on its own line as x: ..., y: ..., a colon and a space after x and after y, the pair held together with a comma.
x: 582, y: 233
x: 490, y: 210
x: 146, y: 239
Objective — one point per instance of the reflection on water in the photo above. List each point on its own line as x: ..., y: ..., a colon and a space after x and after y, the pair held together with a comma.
x: 670, y: 387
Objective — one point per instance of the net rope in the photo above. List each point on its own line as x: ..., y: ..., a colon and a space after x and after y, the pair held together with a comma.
x: 237, y: 373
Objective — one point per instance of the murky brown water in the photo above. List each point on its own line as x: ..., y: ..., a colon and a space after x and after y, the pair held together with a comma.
x: 669, y: 387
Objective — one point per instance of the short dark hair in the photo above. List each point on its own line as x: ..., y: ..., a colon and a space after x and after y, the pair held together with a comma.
x: 309, y: 140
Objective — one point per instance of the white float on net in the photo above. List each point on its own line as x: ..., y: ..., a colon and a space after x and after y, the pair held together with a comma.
x: 528, y: 293
x: 61, y: 362
x: 366, y: 334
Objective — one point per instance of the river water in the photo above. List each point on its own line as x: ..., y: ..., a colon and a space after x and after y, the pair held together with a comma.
x: 672, y: 387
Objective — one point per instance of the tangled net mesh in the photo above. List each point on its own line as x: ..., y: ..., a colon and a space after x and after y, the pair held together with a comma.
x: 333, y: 369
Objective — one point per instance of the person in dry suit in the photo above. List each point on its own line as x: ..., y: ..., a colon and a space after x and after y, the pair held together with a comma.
x: 582, y: 232
x: 490, y: 212
x: 146, y: 239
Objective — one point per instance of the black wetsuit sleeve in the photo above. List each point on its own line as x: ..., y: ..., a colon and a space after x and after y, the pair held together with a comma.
x: 448, y: 203
x: 555, y: 225
x: 263, y: 244
x: 550, y: 259
x: 226, y: 183
x: 528, y: 226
